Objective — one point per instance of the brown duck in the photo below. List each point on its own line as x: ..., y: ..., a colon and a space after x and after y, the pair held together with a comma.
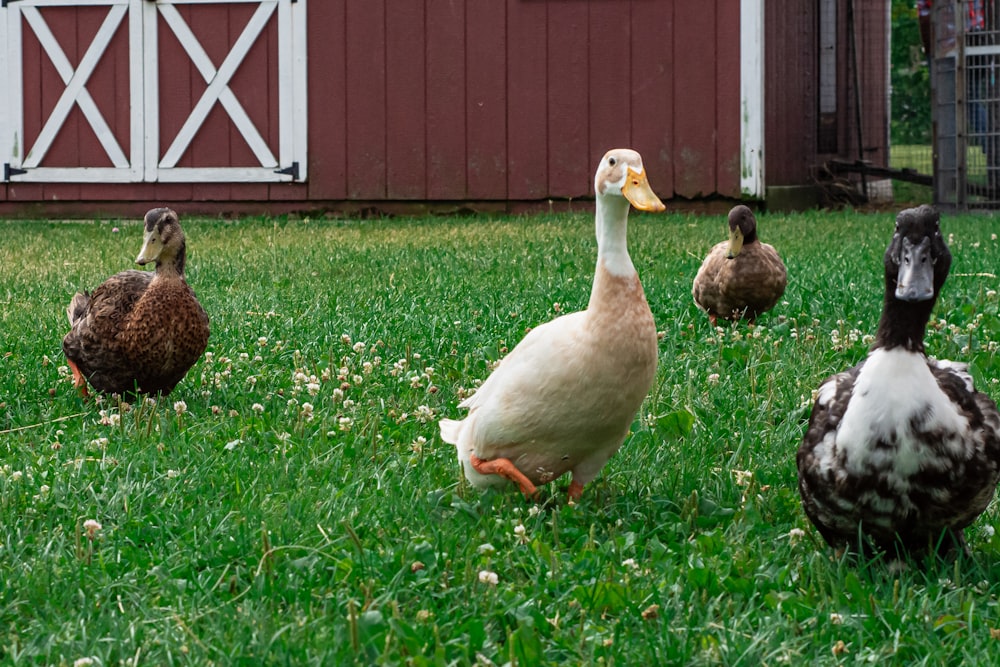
x: 741, y: 277
x: 139, y: 331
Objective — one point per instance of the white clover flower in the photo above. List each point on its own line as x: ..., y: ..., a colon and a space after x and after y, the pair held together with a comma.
x: 418, y: 445
x: 487, y: 577
x: 312, y: 388
x: 359, y: 347
x: 16, y: 476
x: 713, y: 378
x: 348, y: 403
x: 244, y: 356
x: 172, y: 474
x: 630, y: 563
x: 92, y: 526
x: 307, y: 411
x: 99, y: 443
x: 743, y: 477
x: 424, y: 414
x: 180, y: 407
x: 486, y: 549
x: 345, y: 423
x: 796, y: 534
x: 262, y: 341
x: 345, y: 339
x: 258, y: 408
x: 63, y: 371
x: 989, y: 530
x: 209, y: 356
x: 86, y: 662
x: 44, y: 489
x: 534, y: 510
x: 836, y: 618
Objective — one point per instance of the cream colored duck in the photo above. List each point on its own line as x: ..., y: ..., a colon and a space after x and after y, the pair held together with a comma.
x: 564, y: 398
x: 139, y: 330
x: 741, y: 277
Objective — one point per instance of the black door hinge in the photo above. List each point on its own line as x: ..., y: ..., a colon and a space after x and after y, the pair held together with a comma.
x: 9, y: 171
x: 292, y: 171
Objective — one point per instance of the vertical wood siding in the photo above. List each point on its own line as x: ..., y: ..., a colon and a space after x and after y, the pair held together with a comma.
x: 458, y: 100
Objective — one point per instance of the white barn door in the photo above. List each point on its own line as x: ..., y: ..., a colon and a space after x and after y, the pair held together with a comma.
x: 136, y: 148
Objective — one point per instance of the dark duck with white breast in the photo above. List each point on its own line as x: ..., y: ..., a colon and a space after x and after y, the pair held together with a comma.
x: 901, y: 449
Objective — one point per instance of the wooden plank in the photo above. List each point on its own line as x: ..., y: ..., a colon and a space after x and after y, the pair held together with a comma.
x: 652, y: 90
x: 570, y: 156
x: 791, y: 119
x: 327, y: 104
x: 486, y: 88
x: 446, y: 111
x: 366, y: 111
x: 406, y: 147
x: 527, y: 103
x: 694, y: 99
x: 178, y: 88
x: 610, y: 103
x: 727, y: 86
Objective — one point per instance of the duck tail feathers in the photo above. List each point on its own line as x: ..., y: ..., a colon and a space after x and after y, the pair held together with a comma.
x: 450, y: 430
x: 78, y: 307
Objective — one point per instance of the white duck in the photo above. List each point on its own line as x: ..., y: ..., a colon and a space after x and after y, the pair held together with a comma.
x: 565, y: 397
x: 901, y: 448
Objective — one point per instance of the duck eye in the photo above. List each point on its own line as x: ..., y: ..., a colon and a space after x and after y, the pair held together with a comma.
x: 612, y: 161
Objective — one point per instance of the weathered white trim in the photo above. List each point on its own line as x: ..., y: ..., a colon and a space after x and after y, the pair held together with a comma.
x: 752, y: 182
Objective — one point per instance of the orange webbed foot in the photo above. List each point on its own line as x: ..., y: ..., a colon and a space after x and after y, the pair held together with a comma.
x: 79, y: 381
x: 575, y: 490
x: 505, y: 469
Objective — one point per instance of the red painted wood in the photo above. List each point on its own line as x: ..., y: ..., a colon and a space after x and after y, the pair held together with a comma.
x: 610, y: 81
x: 694, y: 99
x: 446, y: 117
x: 527, y: 103
x: 406, y: 145
x: 727, y: 94
x: 327, y: 76
x: 366, y: 95
x: 486, y: 97
x: 652, y: 91
x: 255, y: 85
x: 570, y: 155
x: 791, y: 117
x: 179, y: 86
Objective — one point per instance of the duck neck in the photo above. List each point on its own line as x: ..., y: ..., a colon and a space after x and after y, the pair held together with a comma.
x: 903, y: 323
x: 170, y: 266
x: 613, y: 262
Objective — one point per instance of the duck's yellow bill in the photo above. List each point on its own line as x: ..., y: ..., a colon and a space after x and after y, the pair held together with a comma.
x: 639, y: 194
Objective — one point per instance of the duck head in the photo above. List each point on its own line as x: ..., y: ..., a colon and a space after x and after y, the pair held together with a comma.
x: 917, y: 260
x: 163, y: 240
x: 620, y: 174
x: 742, y: 229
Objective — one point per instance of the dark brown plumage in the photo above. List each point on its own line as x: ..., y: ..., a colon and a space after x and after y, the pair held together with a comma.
x: 139, y: 330
x: 901, y: 449
x: 741, y: 277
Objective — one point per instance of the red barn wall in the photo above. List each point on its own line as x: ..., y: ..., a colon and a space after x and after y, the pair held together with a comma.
x: 463, y: 101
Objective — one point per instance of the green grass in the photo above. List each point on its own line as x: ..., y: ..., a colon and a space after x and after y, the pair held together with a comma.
x: 245, y: 531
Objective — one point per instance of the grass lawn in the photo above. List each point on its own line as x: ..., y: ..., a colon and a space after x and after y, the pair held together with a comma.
x: 238, y: 525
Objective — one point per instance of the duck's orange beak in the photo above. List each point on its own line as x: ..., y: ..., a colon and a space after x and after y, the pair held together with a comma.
x: 639, y: 194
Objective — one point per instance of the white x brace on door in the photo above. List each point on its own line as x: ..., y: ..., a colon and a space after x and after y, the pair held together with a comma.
x: 149, y: 156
